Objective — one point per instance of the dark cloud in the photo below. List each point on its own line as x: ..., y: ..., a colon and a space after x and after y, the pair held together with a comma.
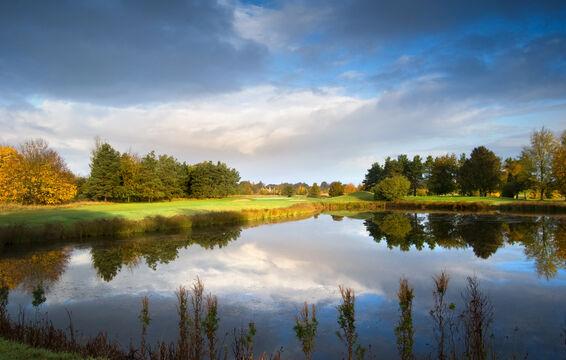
x: 367, y: 19
x: 122, y: 52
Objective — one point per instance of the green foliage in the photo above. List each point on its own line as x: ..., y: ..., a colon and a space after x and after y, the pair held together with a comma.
x: 288, y: 190
x: 305, y: 329
x: 314, y: 190
x: 38, y: 294
x: 414, y: 172
x: 346, y: 320
x: 481, y: 172
x: 374, y: 175
x: 404, y: 330
x: 207, y: 180
x: 336, y: 189
x: 104, y: 180
x: 442, y: 177
x: 392, y: 188
x: 538, y: 159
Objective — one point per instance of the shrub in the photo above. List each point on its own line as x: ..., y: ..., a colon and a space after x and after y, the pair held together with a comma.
x: 336, y: 189
x: 314, y: 191
x: 392, y: 188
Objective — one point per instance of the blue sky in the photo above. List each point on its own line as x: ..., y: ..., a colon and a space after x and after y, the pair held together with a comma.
x: 282, y: 91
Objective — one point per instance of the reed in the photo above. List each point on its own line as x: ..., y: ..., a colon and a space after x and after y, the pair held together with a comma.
x: 243, y: 343
x: 210, y: 325
x: 404, y: 330
x: 476, y: 319
x: 442, y: 316
x: 305, y: 329
x: 346, y: 320
x: 145, y: 320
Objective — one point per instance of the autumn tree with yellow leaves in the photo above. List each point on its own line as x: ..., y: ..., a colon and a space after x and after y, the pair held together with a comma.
x: 34, y: 175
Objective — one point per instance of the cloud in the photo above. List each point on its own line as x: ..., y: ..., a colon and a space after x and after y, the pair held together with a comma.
x: 126, y: 52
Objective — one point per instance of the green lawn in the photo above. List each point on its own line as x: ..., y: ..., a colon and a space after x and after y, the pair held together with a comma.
x: 135, y: 211
x: 496, y: 200
x: 10, y: 350
x: 69, y: 214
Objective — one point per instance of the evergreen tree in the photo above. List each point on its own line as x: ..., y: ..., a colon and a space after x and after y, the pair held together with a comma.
x: 442, y: 179
x: 104, y: 180
x: 206, y: 180
x: 414, y: 173
x: 481, y: 172
x: 374, y: 175
x: 151, y: 187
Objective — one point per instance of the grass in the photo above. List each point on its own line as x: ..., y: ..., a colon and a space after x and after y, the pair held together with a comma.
x: 259, y: 208
x: 495, y: 200
x: 67, y: 214
x: 10, y: 350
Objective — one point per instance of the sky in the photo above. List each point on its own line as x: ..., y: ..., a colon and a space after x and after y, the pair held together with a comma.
x: 283, y: 91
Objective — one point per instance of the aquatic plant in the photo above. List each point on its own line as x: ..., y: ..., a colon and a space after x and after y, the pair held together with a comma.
x: 346, y: 320
x: 404, y: 329
x: 476, y: 319
x: 305, y: 329
x: 145, y: 320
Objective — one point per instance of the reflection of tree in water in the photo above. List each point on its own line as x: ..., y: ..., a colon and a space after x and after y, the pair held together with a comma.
x: 544, y: 241
x: 33, y: 269
x: 484, y: 233
x: 544, y: 238
x: 108, y: 260
x: 402, y: 230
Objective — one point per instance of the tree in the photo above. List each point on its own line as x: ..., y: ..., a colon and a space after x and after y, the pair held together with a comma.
x: 414, y: 173
x: 324, y: 186
x: 442, y: 179
x: 288, y: 190
x: 45, y: 176
x: 538, y: 156
x: 392, y: 188
x: 336, y: 189
x: 151, y: 187
x: 559, y: 166
x: 350, y: 188
x: 314, y: 191
x: 481, y: 172
x: 11, y: 172
x: 104, y: 180
x: 207, y: 180
x: 515, y: 177
x: 130, y: 176
x: 374, y: 175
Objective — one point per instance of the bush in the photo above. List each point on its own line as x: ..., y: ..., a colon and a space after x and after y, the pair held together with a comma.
x: 391, y: 188
x: 336, y: 189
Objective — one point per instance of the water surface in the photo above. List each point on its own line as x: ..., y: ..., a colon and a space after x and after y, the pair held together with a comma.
x: 265, y: 273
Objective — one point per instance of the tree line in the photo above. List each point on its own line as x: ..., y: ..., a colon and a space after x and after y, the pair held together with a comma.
x: 32, y: 173
x: 129, y: 177
x: 540, y: 167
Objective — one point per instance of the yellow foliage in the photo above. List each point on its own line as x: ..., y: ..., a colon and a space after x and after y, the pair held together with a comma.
x: 40, y: 180
x: 350, y: 188
x: 41, y: 267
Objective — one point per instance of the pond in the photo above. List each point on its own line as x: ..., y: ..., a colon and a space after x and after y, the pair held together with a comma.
x: 265, y: 273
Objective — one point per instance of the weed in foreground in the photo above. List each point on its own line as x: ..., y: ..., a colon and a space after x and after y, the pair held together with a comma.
x: 476, y: 319
x: 305, y: 329
x: 243, y: 345
x: 346, y: 320
x: 145, y: 320
x: 442, y: 317
x: 404, y: 330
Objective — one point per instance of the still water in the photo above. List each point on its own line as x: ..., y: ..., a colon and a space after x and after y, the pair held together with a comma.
x: 265, y: 273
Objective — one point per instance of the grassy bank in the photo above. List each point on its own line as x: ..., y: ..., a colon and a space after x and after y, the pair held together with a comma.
x: 10, y: 350
x: 85, y: 220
